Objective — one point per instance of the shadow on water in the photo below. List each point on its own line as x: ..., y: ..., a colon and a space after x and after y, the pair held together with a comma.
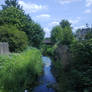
x: 47, y: 80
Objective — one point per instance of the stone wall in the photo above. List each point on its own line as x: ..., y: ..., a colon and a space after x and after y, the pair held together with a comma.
x: 4, y: 48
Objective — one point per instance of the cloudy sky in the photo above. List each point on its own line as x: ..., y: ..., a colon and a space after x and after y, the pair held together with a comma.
x: 49, y: 13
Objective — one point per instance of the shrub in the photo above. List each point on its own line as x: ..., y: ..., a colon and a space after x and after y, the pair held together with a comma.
x: 17, y: 40
x: 82, y: 65
x: 76, y: 76
x: 48, y: 49
x: 20, y: 71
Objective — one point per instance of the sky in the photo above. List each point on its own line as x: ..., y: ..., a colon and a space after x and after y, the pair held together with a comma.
x: 49, y: 13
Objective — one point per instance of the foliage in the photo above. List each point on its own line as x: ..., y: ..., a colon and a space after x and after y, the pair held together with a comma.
x: 67, y: 32
x: 17, y: 40
x: 62, y: 77
x: 56, y: 34
x: 62, y: 34
x: 76, y: 77
x: 84, y: 33
x: 47, y: 50
x: 67, y: 36
x: 10, y: 3
x: 20, y: 71
x: 14, y: 16
x: 35, y: 34
x: 82, y: 65
x: 23, y: 22
x: 88, y: 36
x: 65, y: 23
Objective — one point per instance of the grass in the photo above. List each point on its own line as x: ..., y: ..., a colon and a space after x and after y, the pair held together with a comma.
x: 19, y: 71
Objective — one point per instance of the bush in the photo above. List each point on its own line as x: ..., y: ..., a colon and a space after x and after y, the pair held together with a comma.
x: 20, y: 71
x: 17, y: 40
x: 76, y: 76
x: 48, y: 49
x: 82, y: 65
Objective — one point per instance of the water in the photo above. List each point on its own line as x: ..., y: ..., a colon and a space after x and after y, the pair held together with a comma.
x: 26, y: 91
x: 47, y: 79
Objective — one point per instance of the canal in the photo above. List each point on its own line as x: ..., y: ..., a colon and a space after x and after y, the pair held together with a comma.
x: 47, y: 80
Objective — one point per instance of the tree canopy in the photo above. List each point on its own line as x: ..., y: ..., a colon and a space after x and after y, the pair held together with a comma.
x: 56, y: 34
x: 62, y: 33
x: 17, y: 40
x: 11, y: 3
x: 17, y: 17
x: 65, y: 23
x: 14, y: 16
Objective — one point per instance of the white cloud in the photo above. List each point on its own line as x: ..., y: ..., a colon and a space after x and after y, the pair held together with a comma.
x: 43, y: 16
x: 67, y: 1
x: 87, y: 11
x: 47, y: 32
x: 31, y: 7
x: 88, y: 3
x: 54, y: 23
x: 49, y: 27
x: 75, y: 21
x: 78, y: 27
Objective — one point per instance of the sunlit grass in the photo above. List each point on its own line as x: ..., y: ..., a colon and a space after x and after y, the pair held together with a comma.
x: 20, y: 70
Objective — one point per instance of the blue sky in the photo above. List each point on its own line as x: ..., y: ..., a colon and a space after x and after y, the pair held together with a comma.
x: 49, y: 13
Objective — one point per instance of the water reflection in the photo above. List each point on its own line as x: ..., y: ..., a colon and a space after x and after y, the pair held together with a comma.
x: 47, y: 79
x: 26, y: 91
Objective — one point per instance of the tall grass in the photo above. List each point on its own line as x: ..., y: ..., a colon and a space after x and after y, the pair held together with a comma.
x: 20, y: 71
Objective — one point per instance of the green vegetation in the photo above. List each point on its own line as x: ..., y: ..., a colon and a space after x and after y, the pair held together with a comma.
x: 56, y: 34
x: 82, y: 65
x: 13, y: 14
x: 47, y: 50
x: 71, y: 54
x: 17, y: 40
x: 10, y: 3
x: 20, y: 71
x: 62, y: 34
x: 35, y: 34
x: 72, y: 62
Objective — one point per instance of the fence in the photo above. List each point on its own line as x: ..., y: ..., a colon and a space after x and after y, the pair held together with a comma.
x: 4, y: 48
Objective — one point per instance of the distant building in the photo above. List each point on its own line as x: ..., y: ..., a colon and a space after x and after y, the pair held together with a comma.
x: 47, y: 41
x: 81, y: 33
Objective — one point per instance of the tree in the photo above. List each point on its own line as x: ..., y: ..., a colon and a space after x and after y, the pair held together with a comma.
x: 35, y: 34
x: 11, y: 3
x: 65, y: 23
x: 67, y: 32
x: 62, y: 33
x: 67, y: 36
x: 88, y: 36
x: 14, y: 16
x: 17, y: 40
x: 23, y: 22
x: 56, y: 34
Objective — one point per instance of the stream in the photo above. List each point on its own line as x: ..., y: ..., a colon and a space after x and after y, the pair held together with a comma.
x: 47, y: 79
